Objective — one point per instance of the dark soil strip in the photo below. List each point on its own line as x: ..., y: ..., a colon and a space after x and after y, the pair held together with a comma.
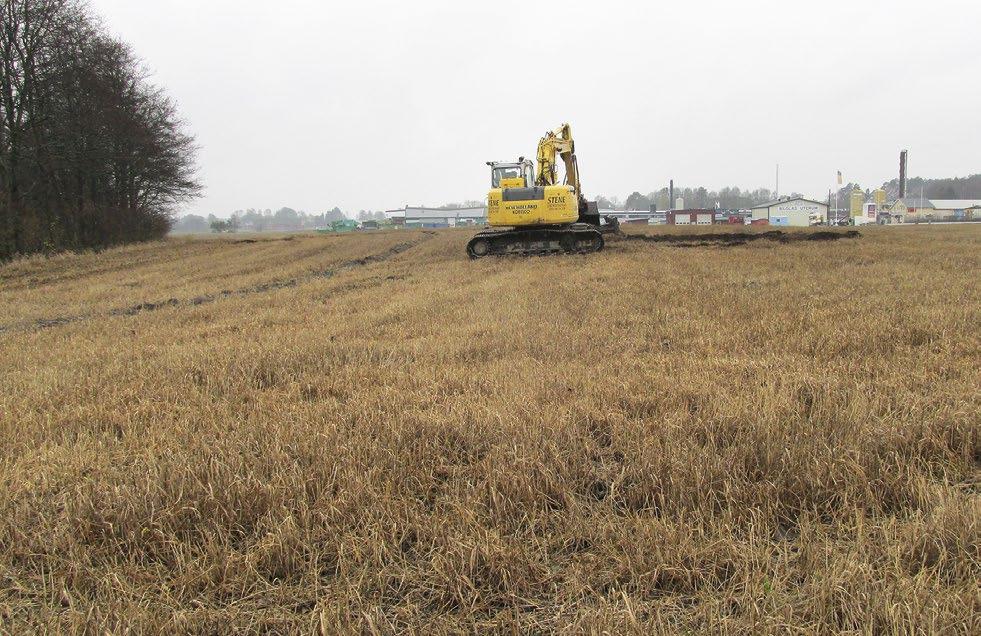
x: 44, y: 323
x: 729, y: 239
x: 262, y: 240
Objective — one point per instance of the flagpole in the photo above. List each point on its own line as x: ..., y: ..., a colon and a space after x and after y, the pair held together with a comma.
x: 837, y: 188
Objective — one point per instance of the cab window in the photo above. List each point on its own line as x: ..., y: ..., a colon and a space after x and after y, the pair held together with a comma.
x: 504, y: 173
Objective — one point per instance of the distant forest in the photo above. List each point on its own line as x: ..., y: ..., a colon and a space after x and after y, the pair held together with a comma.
x: 731, y: 198
x: 734, y: 198
x: 255, y: 220
x: 956, y: 188
x: 282, y: 220
x: 91, y: 153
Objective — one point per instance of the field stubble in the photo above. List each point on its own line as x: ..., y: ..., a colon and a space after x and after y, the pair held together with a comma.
x: 371, y: 433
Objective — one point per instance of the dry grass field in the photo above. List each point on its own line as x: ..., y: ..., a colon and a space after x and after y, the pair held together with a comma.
x: 372, y: 434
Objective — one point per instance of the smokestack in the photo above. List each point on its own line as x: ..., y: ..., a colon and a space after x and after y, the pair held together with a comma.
x: 902, y: 174
x: 671, y: 195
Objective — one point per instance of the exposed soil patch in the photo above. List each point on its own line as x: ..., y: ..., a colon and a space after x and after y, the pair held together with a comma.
x: 729, y: 239
x: 251, y: 241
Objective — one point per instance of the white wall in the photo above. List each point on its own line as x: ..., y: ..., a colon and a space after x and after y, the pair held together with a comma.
x: 798, y: 212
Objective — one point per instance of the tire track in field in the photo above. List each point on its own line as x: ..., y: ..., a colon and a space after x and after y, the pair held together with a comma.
x: 204, y: 299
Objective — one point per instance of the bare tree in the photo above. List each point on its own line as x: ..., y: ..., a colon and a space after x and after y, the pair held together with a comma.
x: 91, y: 154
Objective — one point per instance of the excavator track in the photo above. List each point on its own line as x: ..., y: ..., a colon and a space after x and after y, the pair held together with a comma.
x: 576, y: 238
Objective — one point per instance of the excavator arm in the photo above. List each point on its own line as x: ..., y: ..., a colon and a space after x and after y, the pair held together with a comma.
x: 558, y: 143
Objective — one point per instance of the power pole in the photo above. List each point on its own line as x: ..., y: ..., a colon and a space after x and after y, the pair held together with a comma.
x: 902, y: 173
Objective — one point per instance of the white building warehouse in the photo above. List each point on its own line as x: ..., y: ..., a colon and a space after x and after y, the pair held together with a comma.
x: 914, y: 210
x: 957, y: 209
x: 436, y: 218
x: 797, y: 212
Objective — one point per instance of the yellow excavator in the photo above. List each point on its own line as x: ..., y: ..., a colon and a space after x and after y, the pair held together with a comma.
x: 538, y: 215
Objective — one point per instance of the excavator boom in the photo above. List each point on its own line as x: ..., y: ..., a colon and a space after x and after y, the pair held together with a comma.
x: 558, y: 143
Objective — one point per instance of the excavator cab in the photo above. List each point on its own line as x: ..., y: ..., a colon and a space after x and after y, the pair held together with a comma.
x: 512, y: 175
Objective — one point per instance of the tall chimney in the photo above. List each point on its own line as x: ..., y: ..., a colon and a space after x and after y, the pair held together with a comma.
x: 671, y: 195
x: 902, y: 174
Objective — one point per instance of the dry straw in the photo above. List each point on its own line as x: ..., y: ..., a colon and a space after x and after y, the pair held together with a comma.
x: 373, y: 434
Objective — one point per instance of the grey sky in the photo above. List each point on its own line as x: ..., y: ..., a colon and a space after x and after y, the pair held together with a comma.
x: 374, y: 105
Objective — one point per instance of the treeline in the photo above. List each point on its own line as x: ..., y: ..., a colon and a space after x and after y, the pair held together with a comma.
x: 954, y: 188
x: 255, y: 220
x: 284, y: 219
x: 950, y: 188
x: 730, y: 198
x: 91, y: 153
x: 734, y: 198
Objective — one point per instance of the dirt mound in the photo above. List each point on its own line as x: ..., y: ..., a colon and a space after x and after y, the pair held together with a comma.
x: 252, y: 241
x: 728, y: 239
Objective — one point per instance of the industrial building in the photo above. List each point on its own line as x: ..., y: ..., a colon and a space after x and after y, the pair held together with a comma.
x: 797, y: 212
x: 916, y: 210
x: 692, y: 217
x: 910, y: 209
x: 437, y: 218
x: 631, y: 217
x: 957, y: 209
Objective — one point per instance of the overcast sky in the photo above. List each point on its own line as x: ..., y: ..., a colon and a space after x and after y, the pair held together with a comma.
x: 374, y: 105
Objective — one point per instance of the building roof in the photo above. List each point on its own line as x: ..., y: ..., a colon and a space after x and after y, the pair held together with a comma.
x: 637, y: 213
x: 915, y: 203
x: 437, y: 213
x: 770, y: 204
x: 955, y: 204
